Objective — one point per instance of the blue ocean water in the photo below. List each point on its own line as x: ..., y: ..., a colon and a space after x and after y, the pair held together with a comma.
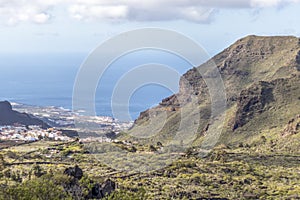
x: 47, y: 79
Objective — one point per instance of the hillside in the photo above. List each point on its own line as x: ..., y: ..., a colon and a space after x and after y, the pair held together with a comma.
x: 257, y: 155
x: 261, y: 78
x: 10, y: 117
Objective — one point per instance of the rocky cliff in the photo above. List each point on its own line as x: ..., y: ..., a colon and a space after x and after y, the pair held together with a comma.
x: 10, y: 117
x: 262, y: 83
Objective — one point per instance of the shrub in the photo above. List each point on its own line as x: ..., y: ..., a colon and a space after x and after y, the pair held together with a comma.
x: 36, y: 189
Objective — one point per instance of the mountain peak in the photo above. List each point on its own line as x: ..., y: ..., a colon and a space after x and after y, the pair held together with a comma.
x: 10, y: 117
x: 261, y: 56
x: 5, y: 106
x: 258, y: 73
x: 278, y: 39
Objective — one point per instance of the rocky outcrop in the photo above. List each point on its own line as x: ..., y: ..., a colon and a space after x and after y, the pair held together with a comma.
x: 298, y: 61
x: 75, y: 172
x: 10, y: 117
x: 101, y: 191
x: 293, y: 127
x: 98, y: 191
x: 275, y: 97
x: 253, y: 101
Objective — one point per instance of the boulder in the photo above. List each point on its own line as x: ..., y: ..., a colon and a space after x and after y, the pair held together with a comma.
x: 75, y: 172
x: 101, y: 191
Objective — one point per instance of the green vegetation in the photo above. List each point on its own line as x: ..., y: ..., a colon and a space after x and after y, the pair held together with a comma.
x: 42, y: 188
x: 230, y: 172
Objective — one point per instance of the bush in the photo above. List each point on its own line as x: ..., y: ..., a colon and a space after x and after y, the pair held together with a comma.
x: 36, y: 189
x: 38, y: 171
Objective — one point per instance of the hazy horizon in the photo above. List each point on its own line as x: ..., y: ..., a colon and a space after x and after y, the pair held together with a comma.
x: 43, y: 44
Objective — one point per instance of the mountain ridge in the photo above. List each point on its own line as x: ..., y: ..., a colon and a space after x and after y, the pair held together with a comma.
x: 254, y: 70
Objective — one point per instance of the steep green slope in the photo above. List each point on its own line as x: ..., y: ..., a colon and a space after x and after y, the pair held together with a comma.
x: 261, y: 78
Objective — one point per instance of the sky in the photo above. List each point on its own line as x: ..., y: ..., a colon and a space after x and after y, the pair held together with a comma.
x: 79, y: 26
x: 44, y: 42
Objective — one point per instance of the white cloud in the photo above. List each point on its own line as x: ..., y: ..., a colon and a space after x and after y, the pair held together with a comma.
x: 152, y: 10
x: 135, y: 10
x: 13, y: 12
x: 40, y: 11
x: 41, y: 18
x: 98, y: 11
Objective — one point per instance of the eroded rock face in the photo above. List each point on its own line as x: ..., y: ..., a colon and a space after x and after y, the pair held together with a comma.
x: 298, y: 61
x: 253, y: 101
x: 10, y: 117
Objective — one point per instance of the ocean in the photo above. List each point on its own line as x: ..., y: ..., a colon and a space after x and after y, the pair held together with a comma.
x: 47, y: 79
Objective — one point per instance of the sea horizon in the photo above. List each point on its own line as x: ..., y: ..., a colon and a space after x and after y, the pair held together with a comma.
x: 27, y: 82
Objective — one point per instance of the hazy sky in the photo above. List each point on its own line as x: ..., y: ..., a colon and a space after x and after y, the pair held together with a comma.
x: 54, y: 37
x: 55, y: 26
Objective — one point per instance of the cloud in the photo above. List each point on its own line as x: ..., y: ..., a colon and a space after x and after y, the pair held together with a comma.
x: 13, y: 12
x: 41, y: 18
x: 200, y: 11
x: 81, y: 11
x: 134, y: 10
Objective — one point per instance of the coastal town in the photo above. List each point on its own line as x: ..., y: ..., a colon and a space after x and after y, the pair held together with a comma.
x: 66, y: 119
x: 62, y: 125
x: 31, y: 133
